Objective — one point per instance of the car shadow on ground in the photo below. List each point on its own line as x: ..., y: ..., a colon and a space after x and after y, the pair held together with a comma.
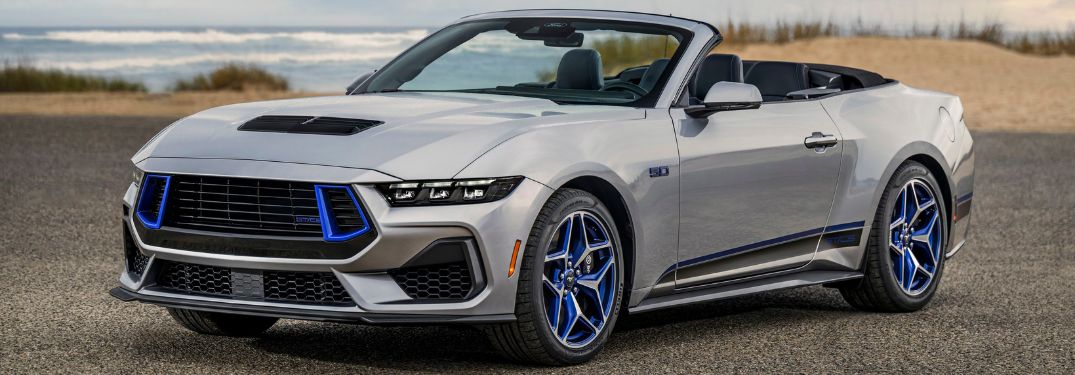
x: 459, y: 348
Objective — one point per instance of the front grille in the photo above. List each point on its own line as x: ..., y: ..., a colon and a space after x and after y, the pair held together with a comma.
x: 195, y: 278
x: 448, y: 281
x: 309, y: 287
x: 321, y: 288
x: 245, y: 206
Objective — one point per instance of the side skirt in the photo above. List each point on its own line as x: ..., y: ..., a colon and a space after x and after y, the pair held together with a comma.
x: 728, y: 290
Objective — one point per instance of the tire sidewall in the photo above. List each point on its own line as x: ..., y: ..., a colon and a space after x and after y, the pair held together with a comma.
x: 577, y: 202
x: 905, y: 174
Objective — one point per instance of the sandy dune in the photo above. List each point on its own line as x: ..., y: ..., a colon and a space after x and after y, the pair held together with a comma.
x: 1001, y: 89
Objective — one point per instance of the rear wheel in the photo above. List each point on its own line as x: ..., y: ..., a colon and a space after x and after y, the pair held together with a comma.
x: 905, y: 252
x: 570, y: 285
x: 221, y: 324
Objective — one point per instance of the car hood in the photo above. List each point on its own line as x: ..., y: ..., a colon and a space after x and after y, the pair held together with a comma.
x: 424, y: 135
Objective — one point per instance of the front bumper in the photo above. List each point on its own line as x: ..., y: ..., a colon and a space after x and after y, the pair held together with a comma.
x: 403, y: 232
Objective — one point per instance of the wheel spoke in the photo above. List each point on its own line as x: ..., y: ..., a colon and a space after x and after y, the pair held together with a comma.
x: 571, y: 307
x: 551, y: 285
x: 910, y: 204
x: 902, y: 218
x: 924, y: 237
x: 553, y: 311
x: 593, y: 283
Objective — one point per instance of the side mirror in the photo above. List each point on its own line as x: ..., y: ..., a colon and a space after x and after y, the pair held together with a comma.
x: 726, y: 96
x: 358, y: 81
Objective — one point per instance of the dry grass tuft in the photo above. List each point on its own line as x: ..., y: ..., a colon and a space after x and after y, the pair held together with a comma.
x: 234, y: 77
x: 26, y: 78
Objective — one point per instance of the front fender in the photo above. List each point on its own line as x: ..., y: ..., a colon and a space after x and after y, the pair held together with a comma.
x: 621, y: 153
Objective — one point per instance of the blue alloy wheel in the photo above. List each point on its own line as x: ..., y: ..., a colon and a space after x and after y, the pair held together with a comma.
x: 579, y: 279
x: 915, y: 237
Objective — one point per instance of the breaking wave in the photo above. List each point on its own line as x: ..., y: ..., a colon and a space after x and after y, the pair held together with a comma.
x: 257, y: 58
x: 212, y: 36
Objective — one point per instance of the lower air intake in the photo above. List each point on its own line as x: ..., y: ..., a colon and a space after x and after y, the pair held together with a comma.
x: 321, y: 288
x: 450, y: 281
x: 195, y: 279
x: 305, y: 287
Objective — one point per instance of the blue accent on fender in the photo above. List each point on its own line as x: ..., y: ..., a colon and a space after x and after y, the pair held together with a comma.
x: 329, y: 228
x: 762, y: 244
x: 149, y: 190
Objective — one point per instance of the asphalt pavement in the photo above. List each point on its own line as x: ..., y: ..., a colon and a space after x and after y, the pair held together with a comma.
x: 1006, y: 302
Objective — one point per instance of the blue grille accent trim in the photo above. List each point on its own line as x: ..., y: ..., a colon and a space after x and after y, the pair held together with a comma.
x: 329, y: 227
x: 144, y: 209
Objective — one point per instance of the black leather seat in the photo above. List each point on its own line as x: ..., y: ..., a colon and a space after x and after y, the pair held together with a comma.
x: 776, y: 79
x: 653, y: 73
x: 580, y: 69
x: 716, y: 68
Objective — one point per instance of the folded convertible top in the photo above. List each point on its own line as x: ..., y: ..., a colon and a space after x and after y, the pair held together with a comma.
x: 864, y: 77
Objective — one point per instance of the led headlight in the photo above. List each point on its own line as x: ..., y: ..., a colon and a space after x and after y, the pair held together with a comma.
x: 422, y: 193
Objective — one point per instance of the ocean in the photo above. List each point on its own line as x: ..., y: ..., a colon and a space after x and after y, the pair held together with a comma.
x: 313, y: 59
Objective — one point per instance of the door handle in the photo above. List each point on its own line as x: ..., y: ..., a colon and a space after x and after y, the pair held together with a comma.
x: 820, y: 140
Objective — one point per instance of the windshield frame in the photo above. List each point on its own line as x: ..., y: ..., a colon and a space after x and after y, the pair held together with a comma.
x: 646, y: 101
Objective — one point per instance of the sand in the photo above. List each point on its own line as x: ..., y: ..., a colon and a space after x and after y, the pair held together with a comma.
x: 1001, y: 89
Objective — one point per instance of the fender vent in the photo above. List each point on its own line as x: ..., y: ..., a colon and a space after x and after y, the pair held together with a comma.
x: 308, y: 125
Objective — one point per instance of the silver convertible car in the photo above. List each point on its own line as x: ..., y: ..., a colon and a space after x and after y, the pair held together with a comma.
x: 541, y: 173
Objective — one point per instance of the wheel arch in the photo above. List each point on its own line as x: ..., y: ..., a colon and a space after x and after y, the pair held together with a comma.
x: 930, y: 157
x: 611, y: 197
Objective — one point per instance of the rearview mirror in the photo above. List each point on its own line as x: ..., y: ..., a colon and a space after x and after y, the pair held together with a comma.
x: 726, y: 96
x: 359, y: 81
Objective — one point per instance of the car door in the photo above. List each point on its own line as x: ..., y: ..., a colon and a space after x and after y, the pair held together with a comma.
x: 753, y: 197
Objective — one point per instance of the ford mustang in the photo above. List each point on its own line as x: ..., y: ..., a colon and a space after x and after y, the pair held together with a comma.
x: 541, y: 173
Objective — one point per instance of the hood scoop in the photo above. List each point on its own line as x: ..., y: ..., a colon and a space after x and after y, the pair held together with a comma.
x: 308, y: 125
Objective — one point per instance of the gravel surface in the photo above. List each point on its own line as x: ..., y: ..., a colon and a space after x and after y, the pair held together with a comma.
x: 1006, y: 304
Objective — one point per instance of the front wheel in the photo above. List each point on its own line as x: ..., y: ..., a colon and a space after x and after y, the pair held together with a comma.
x: 570, y: 285
x: 905, y: 251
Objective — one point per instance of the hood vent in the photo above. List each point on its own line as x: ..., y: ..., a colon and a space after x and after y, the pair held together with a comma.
x: 308, y: 125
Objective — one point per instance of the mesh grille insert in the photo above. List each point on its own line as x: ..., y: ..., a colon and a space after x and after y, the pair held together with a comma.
x: 307, y: 287
x: 322, y: 288
x: 195, y: 278
x: 440, y: 281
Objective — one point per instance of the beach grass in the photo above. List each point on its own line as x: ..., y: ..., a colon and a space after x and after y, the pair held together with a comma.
x: 22, y: 77
x: 234, y: 77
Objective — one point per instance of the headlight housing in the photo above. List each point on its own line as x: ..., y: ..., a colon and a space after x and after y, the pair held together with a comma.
x: 444, y: 192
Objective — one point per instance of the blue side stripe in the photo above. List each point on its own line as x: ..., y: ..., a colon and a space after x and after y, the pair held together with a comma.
x: 766, y: 243
x: 964, y: 198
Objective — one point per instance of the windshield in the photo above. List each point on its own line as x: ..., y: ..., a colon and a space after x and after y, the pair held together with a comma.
x: 568, y: 61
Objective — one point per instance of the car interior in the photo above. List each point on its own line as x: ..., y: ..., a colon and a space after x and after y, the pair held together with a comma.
x: 776, y: 80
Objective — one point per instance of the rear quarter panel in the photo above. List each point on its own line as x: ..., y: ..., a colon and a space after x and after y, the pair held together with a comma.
x: 883, y: 127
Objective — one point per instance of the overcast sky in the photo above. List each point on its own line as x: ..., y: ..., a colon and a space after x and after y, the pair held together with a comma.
x: 1018, y: 14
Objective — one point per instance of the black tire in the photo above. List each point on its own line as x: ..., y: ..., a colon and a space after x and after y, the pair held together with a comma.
x: 529, y: 338
x: 219, y: 324
x: 879, y: 290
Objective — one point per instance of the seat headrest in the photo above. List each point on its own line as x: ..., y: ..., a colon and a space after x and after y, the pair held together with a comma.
x: 776, y: 79
x: 649, y: 78
x: 716, y: 68
x: 580, y: 69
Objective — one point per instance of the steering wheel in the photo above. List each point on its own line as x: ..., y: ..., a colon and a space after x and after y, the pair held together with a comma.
x: 625, y: 86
